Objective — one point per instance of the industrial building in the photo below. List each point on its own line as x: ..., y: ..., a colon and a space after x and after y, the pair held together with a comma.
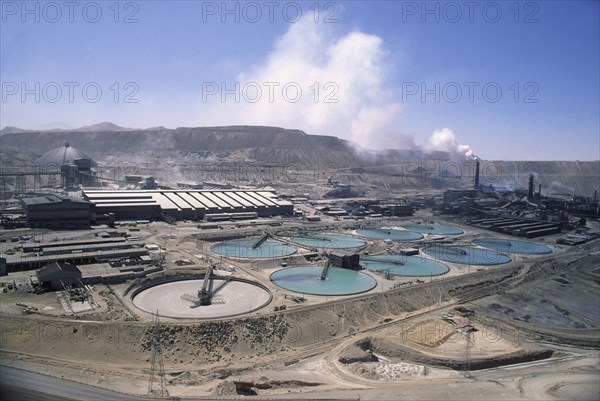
x: 58, y: 275
x: 518, y: 226
x: 454, y: 196
x: 397, y: 210
x: 187, y: 204
x: 53, y: 211
x: 75, y: 166
x: 344, y: 260
x: 63, y: 155
x: 81, y: 252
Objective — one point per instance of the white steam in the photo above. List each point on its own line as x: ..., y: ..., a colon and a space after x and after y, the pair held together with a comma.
x: 444, y: 140
x: 557, y: 187
x: 345, y: 83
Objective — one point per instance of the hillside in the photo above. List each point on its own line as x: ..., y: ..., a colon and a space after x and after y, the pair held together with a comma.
x: 264, y: 144
x: 272, y: 146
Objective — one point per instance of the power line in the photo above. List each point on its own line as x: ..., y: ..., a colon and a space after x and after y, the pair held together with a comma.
x: 157, y: 359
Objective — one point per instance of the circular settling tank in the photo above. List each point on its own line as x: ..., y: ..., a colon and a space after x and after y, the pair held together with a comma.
x: 248, y: 249
x: 513, y: 246
x: 399, y: 265
x: 329, y: 241
x: 467, y: 255
x: 177, y: 299
x: 435, y: 228
x: 389, y: 233
x: 338, y: 281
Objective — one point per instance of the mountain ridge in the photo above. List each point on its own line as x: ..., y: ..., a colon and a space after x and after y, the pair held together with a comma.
x: 275, y: 146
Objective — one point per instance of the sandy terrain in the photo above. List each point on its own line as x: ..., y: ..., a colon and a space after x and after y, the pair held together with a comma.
x: 294, y: 353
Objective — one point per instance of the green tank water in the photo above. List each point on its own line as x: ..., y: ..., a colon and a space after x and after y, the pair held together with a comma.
x: 338, y: 281
x: 437, y: 229
x: 248, y: 249
x: 399, y: 265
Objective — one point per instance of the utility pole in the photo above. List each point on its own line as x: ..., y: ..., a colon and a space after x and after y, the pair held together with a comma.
x: 157, y: 359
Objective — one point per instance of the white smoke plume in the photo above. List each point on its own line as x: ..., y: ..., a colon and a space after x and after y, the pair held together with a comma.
x: 444, y: 140
x: 557, y: 187
x: 354, y: 100
x: 343, y: 81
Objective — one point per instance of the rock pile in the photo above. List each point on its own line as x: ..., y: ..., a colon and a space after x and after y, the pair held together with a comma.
x: 213, y: 339
x: 395, y: 371
x: 265, y: 333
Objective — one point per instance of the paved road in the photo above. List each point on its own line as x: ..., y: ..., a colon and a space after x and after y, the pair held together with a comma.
x: 20, y: 385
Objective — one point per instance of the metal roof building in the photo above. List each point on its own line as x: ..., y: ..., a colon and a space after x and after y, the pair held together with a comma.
x: 63, y: 155
x: 186, y: 204
x: 57, y: 212
x: 56, y: 274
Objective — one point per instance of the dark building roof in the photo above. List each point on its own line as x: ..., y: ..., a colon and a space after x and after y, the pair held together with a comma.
x: 49, y: 272
x: 51, y: 199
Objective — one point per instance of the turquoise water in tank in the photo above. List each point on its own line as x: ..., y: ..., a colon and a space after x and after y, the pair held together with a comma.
x: 307, y: 280
x: 435, y: 228
x: 389, y: 233
x: 243, y: 249
x: 400, y: 265
x: 513, y: 246
x: 328, y: 241
x: 467, y: 255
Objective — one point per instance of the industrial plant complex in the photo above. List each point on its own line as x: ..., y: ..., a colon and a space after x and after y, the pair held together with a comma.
x: 180, y: 279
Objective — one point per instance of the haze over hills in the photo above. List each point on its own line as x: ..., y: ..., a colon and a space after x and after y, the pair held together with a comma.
x: 101, y: 127
x: 105, y: 126
x: 273, y: 146
x: 13, y: 130
x: 262, y: 144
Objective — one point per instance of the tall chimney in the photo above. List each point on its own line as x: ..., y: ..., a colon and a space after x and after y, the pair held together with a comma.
x: 540, y: 190
x: 530, y: 192
x: 477, y: 174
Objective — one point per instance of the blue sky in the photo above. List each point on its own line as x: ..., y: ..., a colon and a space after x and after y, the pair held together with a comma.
x: 502, y: 80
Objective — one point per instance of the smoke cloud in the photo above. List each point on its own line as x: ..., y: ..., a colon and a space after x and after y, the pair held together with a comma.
x: 343, y: 84
x: 557, y: 187
x: 445, y: 140
x: 345, y: 91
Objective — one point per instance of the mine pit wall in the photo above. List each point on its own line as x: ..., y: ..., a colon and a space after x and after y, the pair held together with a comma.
x: 402, y: 353
x: 241, y: 338
x: 541, y: 270
x: 586, y: 338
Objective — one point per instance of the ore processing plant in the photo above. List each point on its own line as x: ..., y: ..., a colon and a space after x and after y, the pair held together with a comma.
x: 377, y: 290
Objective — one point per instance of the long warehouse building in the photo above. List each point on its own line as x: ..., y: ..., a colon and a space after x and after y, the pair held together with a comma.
x: 186, y: 204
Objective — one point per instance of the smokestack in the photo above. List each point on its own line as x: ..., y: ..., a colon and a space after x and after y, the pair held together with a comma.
x: 540, y: 190
x: 530, y: 192
x: 477, y: 174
